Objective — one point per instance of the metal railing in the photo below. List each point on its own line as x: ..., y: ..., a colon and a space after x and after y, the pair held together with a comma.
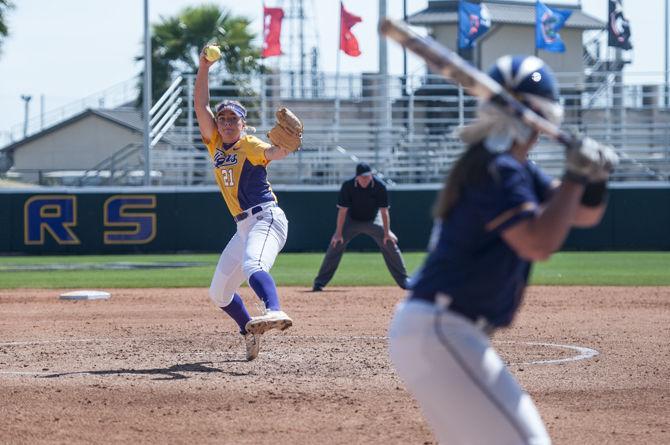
x: 165, y: 111
x: 122, y: 166
x: 404, y: 127
x: 116, y: 168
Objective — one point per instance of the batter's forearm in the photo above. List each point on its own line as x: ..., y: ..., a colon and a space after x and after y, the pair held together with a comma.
x: 590, y: 210
x: 588, y: 216
x: 551, y: 227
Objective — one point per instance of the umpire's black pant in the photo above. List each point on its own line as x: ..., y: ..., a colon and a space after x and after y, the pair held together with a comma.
x: 375, y: 230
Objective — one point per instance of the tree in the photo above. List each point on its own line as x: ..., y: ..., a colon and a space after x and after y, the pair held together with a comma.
x: 5, y: 5
x: 176, y: 43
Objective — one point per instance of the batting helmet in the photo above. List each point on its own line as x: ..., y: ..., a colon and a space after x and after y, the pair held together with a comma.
x: 531, y: 81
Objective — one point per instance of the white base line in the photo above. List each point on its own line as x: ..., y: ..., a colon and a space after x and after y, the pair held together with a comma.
x: 583, y: 352
x: 73, y: 340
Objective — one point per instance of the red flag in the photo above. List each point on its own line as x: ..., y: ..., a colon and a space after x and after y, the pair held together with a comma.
x: 272, y: 18
x: 348, y: 42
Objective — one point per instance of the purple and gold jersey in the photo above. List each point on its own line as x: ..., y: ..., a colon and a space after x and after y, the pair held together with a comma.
x: 240, y: 172
x: 470, y: 261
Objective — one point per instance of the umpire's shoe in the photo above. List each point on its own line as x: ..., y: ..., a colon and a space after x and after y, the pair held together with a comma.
x: 269, y: 320
x: 253, y: 344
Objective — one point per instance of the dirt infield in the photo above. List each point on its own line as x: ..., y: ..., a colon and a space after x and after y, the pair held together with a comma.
x: 165, y: 366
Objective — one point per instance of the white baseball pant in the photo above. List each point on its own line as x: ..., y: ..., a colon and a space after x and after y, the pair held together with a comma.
x: 465, y: 391
x: 254, y: 247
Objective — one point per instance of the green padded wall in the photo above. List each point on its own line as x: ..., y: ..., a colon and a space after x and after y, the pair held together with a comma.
x: 198, y: 221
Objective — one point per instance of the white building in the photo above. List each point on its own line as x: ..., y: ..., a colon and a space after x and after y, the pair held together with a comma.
x: 512, y: 32
x: 63, y: 153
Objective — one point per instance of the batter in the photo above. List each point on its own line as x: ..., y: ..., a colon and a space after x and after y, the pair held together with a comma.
x: 497, y: 213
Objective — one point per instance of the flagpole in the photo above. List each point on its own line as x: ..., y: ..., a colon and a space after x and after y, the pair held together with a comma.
x: 618, y: 92
x: 404, y: 51
x: 337, y: 83
x: 535, y: 52
x: 301, y: 14
x: 667, y: 37
x: 385, y: 113
x: 264, y: 73
x: 146, y: 97
x: 458, y: 29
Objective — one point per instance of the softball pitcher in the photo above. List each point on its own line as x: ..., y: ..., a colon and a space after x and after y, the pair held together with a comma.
x: 497, y: 213
x: 240, y: 162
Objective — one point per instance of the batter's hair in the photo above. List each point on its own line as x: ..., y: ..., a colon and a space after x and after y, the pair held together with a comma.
x: 470, y: 168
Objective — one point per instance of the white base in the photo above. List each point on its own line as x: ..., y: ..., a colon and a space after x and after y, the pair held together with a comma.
x: 85, y: 295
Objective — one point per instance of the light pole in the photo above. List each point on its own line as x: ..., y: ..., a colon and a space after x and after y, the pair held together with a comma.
x: 383, y: 52
x: 146, y: 103
x: 26, y: 98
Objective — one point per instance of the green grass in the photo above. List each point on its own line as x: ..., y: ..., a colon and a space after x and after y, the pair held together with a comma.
x: 356, y: 269
x: 605, y: 269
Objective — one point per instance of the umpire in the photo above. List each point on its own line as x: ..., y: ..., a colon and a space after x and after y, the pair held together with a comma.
x: 363, y: 207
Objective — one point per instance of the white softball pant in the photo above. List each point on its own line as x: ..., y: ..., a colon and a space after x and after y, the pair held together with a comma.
x: 253, y: 248
x: 466, y: 393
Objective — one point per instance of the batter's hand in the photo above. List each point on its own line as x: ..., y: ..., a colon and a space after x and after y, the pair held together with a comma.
x: 589, y: 161
x: 336, y: 239
x: 390, y: 237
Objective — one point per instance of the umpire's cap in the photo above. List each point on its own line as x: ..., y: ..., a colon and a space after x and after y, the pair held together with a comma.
x: 363, y: 169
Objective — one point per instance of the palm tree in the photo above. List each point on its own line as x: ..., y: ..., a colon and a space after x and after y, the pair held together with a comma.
x: 5, y: 5
x: 176, y: 43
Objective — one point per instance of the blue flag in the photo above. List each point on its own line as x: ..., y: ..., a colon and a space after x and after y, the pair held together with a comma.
x: 548, y: 21
x: 473, y: 21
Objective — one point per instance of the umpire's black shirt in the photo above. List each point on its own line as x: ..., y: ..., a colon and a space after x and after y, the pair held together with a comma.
x: 363, y: 203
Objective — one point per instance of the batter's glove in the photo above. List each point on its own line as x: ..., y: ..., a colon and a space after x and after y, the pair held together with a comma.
x: 287, y: 132
x: 588, y: 161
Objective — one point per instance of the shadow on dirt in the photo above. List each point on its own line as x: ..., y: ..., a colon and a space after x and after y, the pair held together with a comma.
x: 174, y: 372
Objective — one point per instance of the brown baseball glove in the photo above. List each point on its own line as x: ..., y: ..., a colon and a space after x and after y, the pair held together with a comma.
x: 287, y: 132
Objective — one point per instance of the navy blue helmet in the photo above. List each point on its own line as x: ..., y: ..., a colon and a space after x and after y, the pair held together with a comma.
x: 531, y: 81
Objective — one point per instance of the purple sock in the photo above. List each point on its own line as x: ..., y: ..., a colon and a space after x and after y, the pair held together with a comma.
x: 264, y: 286
x: 238, y: 312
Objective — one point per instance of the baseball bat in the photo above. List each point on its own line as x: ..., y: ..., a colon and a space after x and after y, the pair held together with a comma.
x: 479, y: 84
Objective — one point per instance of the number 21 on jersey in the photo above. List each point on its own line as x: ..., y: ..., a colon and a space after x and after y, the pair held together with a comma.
x: 227, y: 176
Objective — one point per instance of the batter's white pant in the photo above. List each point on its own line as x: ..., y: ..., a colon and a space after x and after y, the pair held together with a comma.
x: 466, y: 393
x: 253, y: 248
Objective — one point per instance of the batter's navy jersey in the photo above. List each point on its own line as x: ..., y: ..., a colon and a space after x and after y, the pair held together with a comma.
x: 470, y: 262
x: 363, y: 202
x: 240, y: 172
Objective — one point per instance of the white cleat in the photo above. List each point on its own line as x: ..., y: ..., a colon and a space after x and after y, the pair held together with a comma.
x: 253, y: 344
x: 269, y: 320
